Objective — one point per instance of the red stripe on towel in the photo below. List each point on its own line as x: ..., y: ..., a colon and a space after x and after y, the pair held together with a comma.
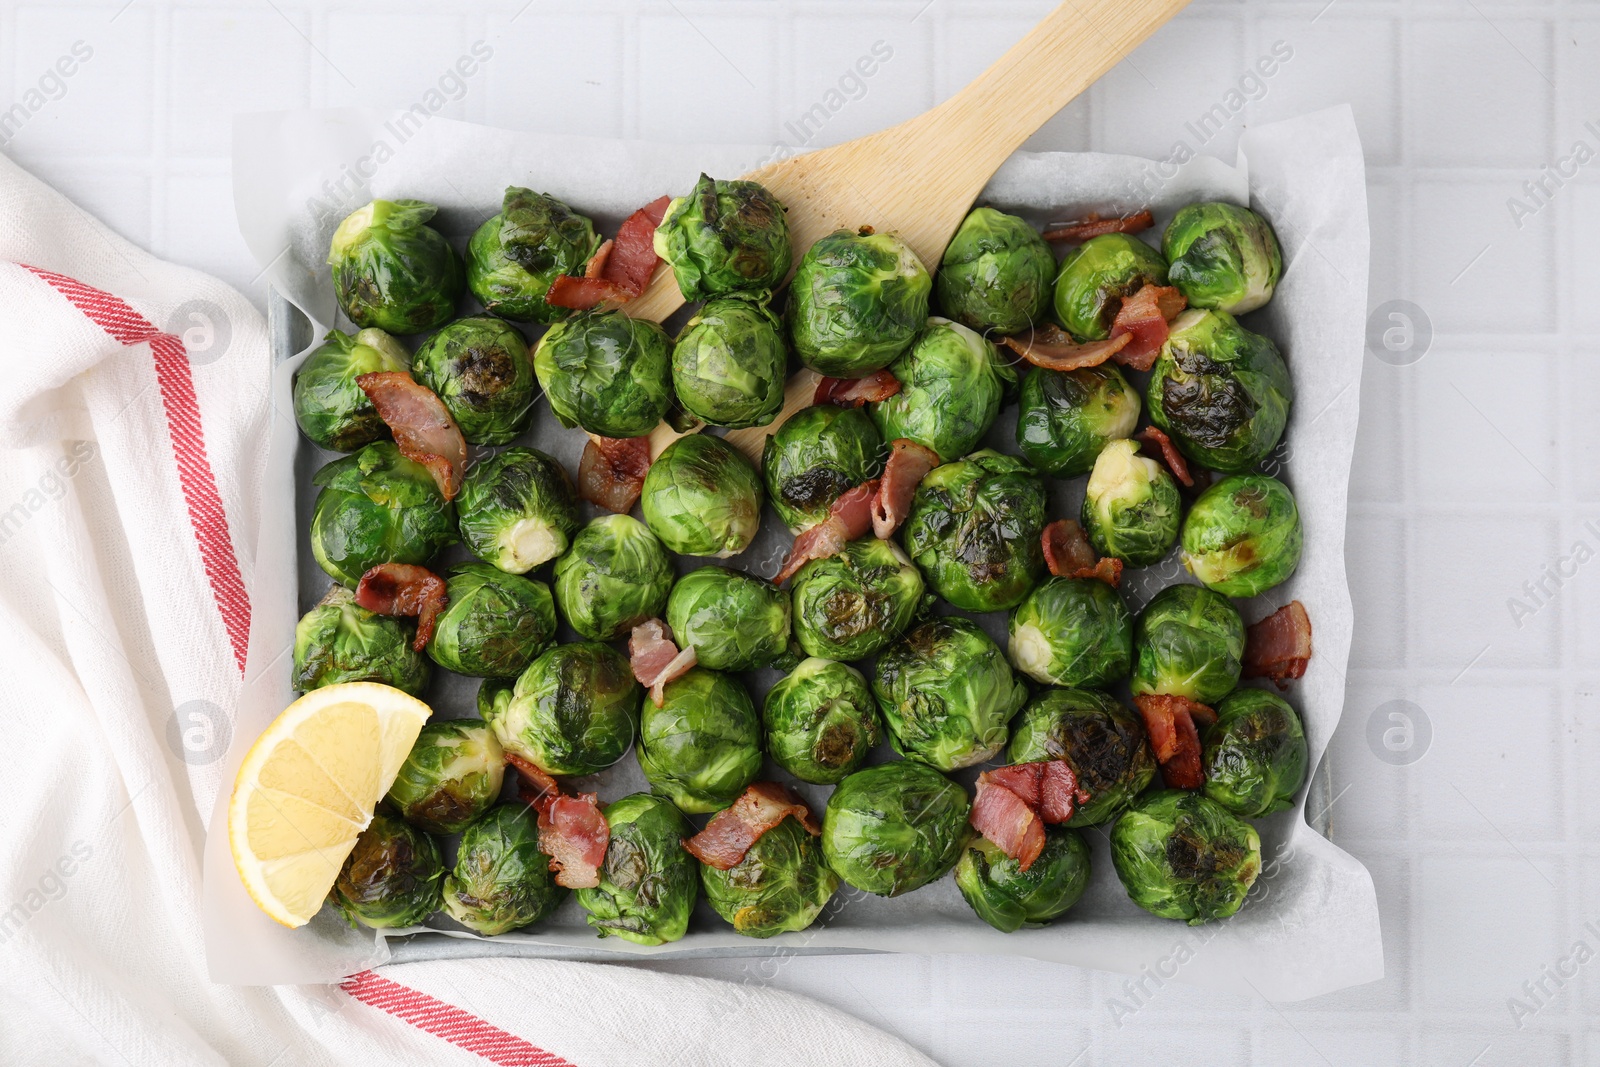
x: 448, y: 1022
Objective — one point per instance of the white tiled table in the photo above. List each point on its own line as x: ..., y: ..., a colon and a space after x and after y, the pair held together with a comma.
x: 1478, y: 464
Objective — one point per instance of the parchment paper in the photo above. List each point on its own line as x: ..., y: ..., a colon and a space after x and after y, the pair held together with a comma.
x: 1312, y: 923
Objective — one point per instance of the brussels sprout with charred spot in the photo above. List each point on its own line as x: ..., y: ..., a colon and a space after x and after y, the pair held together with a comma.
x: 615, y: 576
x: 1254, y: 755
x: 730, y: 363
x: 820, y: 721
x: 648, y: 882
x: 1222, y: 257
x: 1188, y: 642
x: 1007, y: 897
x: 735, y: 621
x: 895, y: 827
x: 452, y: 776
x: 853, y: 604
x: 573, y: 711
x: 1097, y: 276
x: 1131, y: 507
x: 817, y: 454
x: 392, y: 270
x: 725, y: 237
x: 780, y: 886
x: 856, y: 301
x: 494, y: 623
x: 951, y: 383
x: 513, y: 259
x: 328, y: 404
x: 501, y: 880
x: 1243, y: 536
x: 391, y: 878
x: 703, y: 745
x: 1073, y: 631
x: 377, y: 507
x: 996, y: 273
x: 479, y: 367
x: 1102, y: 741
x: 1067, y: 417
x: 341, y: 641
x: 518, y: 509
x: 1182, y: 856
x: 702, y: 497
x: 607, y: 372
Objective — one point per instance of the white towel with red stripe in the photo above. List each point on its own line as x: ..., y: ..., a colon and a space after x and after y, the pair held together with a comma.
x: 132, y: 401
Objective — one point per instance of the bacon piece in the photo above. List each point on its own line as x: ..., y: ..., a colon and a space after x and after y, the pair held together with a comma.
x: 404, y: 589
x: 1159, y: 443
x: 1144, y: 317
x: 624, y: 264
x: 1051, y: 347
x: 1094, y: 226
x: 611, y: 472
x: 850, y: 517
x: 1067, y: 554
x: 596, y: 267
x: 656, y: 660
x: 536, y: 788
x: 573, y: 830
x: 1279, y: 646
x: 878, y: 386
x: 1059, y: 794
x: 422, y: 427
x: 908, y: 464
x: 1170, y: 723
x: 1007, y: 820
x: 731, y: 831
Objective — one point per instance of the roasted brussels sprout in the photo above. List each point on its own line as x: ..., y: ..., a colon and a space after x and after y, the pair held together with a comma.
x: 573, y: 711
x: 1073, y: 631
x: 1220, y: 391
x: 493, y: 696
x: 703, y: 745
x: 1067, y: 417
x: 1222, y: 257
x: 735, y: 621
x: 974, y: 530
x: 1242, y: 536
x: 391, y: 878
x: 1182, y: 856
x: 1007, y: 897
x: 1097, y: 276
x: 820, y: 721
x: 1131, y: 507
x: 780, y: 886
x: 730, y: 363
x: 494, y: 624
x: 480, y: 368
x: 501, y: 880
x: 615, y: 576
x: 392, y: 270
x: 1188, y: 642
x: 341, y: 641
x: 996, y: 273
x: 452, y: 776
x: 702, y: 497
x: 375, y: 507
x: 725, y: 237
x: 817, y: 454
x: 951, y: 382
x: 894, y: 827
x: 856, y: 301
x: 1254, y: 755
x: 648, y: 882
x: 947, y: 694
x: 1102, y: 741
x: 607, y: 372
x: 518, y: 509
x: 328, y: 404
x: 514, y: 257
x: 851, y: 605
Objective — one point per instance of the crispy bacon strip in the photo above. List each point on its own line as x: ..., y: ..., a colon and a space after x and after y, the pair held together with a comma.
x: 573, y: 831
x: 656, y: 660
x: 1050, y: 347
x: 1094, y: 226
x: 1161, y: 445
x: 853, y: 392
x: 404, y: 589
x: 624, y: 264
x: 909, y: 463
x: 850, y: 517
x: 1144, y: 317
x: 422, y: 427
x: 1059, y: 793
x: 536, y: 788
x: 1170, y: 723
x: 611, y: 472
x: 731, y: 831
x: 596, y: 267
x: 1068, y: 554
x: 1014, y: 804
x: 1279, y: 646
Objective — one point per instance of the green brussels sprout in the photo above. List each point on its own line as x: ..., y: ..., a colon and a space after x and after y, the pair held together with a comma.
x: 1097, y: 276
x: 391, y: 878
x: 452, y: 776
x: 328, y: 404
x: 851, y: 605
x: 513, y: 259
x: 648, y: 882
x: 501, y: 880
x: 820, y: 721
x: 375, y: 507
x: 702, y: 746
x: 615, y: 576
x: 1007, y: 897
x: 393, y: 271
x: 1181, y: 855
x: 494, y: 623
x: 780, y: 886
x: 1222, y: 257
x: 817, y: 454
x: 856, y: 301
x: 1242, y: 536
x: 573, y: 711
x: 702, y: 497
x: 947, y: 694
x: 518, y: 509
x: 996, y: 273
x: 1254, y: 755
x: 951, y: 383
x: 735, y: 621
x: 1220, y: 391
x: 894, y: 827
x: 730, y: 363
x: 494, y: 694
x: 1131, y: 507
x: 725, y: 237
x: 1066, y: 417
x: 1102, y: 741
x: 1188, y: 642
x: 974, y: 529
x: 607, y: 372
x: 480, y: 368
x: 341, y: 641
x: 1072, y: 631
